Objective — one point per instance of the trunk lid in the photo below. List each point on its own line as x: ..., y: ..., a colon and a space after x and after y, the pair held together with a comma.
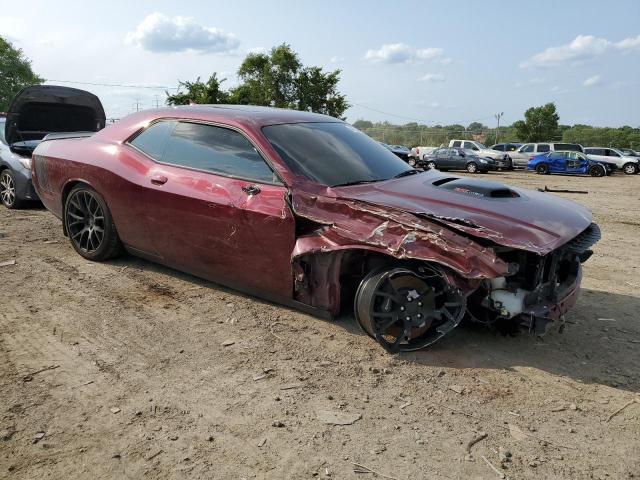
x: 42, y: 109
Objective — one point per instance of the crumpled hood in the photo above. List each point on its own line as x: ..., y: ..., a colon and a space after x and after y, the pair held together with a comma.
x: 513, y: 217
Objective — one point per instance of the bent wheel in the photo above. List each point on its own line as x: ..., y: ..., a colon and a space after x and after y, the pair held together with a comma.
x: 406, y: 310
x: 89, y: 225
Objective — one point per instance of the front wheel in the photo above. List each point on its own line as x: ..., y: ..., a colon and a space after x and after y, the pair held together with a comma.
x: 89, y: 224
x: 8, y: 190
x: 406, y: 309
x: 472, y: 167
x: 630, y: 168
x: 431, y: 165
x: 542, y: 169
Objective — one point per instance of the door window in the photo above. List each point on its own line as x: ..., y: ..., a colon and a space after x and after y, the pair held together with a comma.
x: 543, y: 147
x: 457, y: 143
x: 498, y: 147
x: 153, y: 140
x: 528, y: 148
x: 611, y: 153
x: 470, y: 146
x: 205, y: 147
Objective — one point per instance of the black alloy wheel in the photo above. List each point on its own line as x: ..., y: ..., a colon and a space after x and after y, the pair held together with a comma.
x: 90, y: 226
x: 597, y: 171
x: 542, y: 169
x: 406, y: 310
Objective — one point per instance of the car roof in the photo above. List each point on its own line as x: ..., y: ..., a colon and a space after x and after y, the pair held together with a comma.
x: 255, y: 114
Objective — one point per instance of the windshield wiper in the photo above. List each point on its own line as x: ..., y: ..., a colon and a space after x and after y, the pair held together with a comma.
x: 406, y: 173
x: 356, y: 182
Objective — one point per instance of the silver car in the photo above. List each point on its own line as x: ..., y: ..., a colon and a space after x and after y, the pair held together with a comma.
x: 15, y: 174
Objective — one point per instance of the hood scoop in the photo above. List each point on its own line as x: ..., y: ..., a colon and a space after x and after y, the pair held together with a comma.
x: 474, y: 188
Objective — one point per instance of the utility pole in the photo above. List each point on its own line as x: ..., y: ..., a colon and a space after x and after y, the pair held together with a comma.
x: 498, y: 116
x: 157, y: 102
x: 137, y: 104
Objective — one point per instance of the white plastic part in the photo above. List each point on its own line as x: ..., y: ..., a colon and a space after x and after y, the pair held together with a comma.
x: 509, y: 303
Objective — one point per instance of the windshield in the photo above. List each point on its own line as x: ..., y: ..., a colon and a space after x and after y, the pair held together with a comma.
x: 480, y: 146
x: 333, y: 153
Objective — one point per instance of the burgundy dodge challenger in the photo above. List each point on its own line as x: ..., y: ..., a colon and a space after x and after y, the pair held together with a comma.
x: 305, y: 210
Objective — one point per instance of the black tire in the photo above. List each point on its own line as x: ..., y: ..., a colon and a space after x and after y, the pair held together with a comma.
x: 542, y: 169
x: 89, y: 225
x: 472, y: 167
x: 597, y: 171
x: 431, y: 165
x: 630, y: 168
x: 406, y: 309
x: 8, y: 194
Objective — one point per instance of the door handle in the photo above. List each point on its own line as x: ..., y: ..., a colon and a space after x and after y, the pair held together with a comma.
x: 251, y: 189
x: 158, y: 179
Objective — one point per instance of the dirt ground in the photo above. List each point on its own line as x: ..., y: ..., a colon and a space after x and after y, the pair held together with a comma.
x: 138, y: 382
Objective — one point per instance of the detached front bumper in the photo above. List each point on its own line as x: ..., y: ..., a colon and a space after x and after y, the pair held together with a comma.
x: 548, y: 315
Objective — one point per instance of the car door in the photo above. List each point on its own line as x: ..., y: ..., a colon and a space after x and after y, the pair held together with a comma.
x: 522, y: 155
x: 458, y: 159
x: 612, y: 156
x: 438, y: 156
x: 216, y: 209
x: 445, y: 159
x: 573, y: 163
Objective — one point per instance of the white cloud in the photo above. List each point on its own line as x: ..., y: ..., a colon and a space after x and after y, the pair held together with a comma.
x: 160, y: 33
x: 592, y: 81
x: 402, y: 53
x: 432, y: 77
x: 581, y: 49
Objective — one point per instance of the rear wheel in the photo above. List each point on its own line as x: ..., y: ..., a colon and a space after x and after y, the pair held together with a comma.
x: 405, y: 309
x: 597, y: 171
x: 472, y: 167
x: 431, y: 165
x: 8, y: 190
x: 90, y: 226
x: 630, y: 168
x: 542, y: 169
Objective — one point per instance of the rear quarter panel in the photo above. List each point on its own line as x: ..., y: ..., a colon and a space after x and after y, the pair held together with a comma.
x: 58, y: 164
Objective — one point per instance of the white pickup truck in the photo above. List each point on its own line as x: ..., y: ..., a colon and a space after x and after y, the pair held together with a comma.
x: 503, y: 160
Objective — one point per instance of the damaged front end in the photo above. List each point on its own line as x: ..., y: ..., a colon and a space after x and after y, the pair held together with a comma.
x: 413, y: 276
x: 542, y: 289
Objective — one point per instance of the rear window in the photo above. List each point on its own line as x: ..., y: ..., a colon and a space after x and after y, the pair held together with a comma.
x: 594, y: 151
x: 154, y: 139
x: 570, y: 147
x: 498, y: 147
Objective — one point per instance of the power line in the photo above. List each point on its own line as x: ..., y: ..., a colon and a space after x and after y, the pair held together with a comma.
x: 154, y: 87
x: 414, y: 119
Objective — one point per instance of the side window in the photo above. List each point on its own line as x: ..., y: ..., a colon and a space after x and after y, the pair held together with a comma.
x: 511, y: 147
x: 527, y: 148
x: 470, y: 145
x: 456, y: 144
x: 3, y: 122
x: 498, y: 147
x: 215, y: 149
x: 543, y: 147
x: 611, y: 153
x: 153, y: 140
x: 594, y: 151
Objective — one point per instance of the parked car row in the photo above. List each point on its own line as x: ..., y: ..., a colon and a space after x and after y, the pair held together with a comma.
x: 304, y: 210
x: 507, y: 156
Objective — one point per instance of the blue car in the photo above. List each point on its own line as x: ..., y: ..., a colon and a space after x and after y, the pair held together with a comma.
x: 568, y: 163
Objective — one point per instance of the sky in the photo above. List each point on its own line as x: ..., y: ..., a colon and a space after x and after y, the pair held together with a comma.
x: 434, y: 62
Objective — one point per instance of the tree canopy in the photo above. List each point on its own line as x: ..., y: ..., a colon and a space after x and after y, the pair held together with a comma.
x: 540, y: 124
x: 276, y: 79
x: 15, y: 73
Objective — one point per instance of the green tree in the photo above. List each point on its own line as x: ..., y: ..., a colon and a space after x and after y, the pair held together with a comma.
x: 540, y: 124
x: 199, y: 92
x: 15, y: 73
x: 318, y: 91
